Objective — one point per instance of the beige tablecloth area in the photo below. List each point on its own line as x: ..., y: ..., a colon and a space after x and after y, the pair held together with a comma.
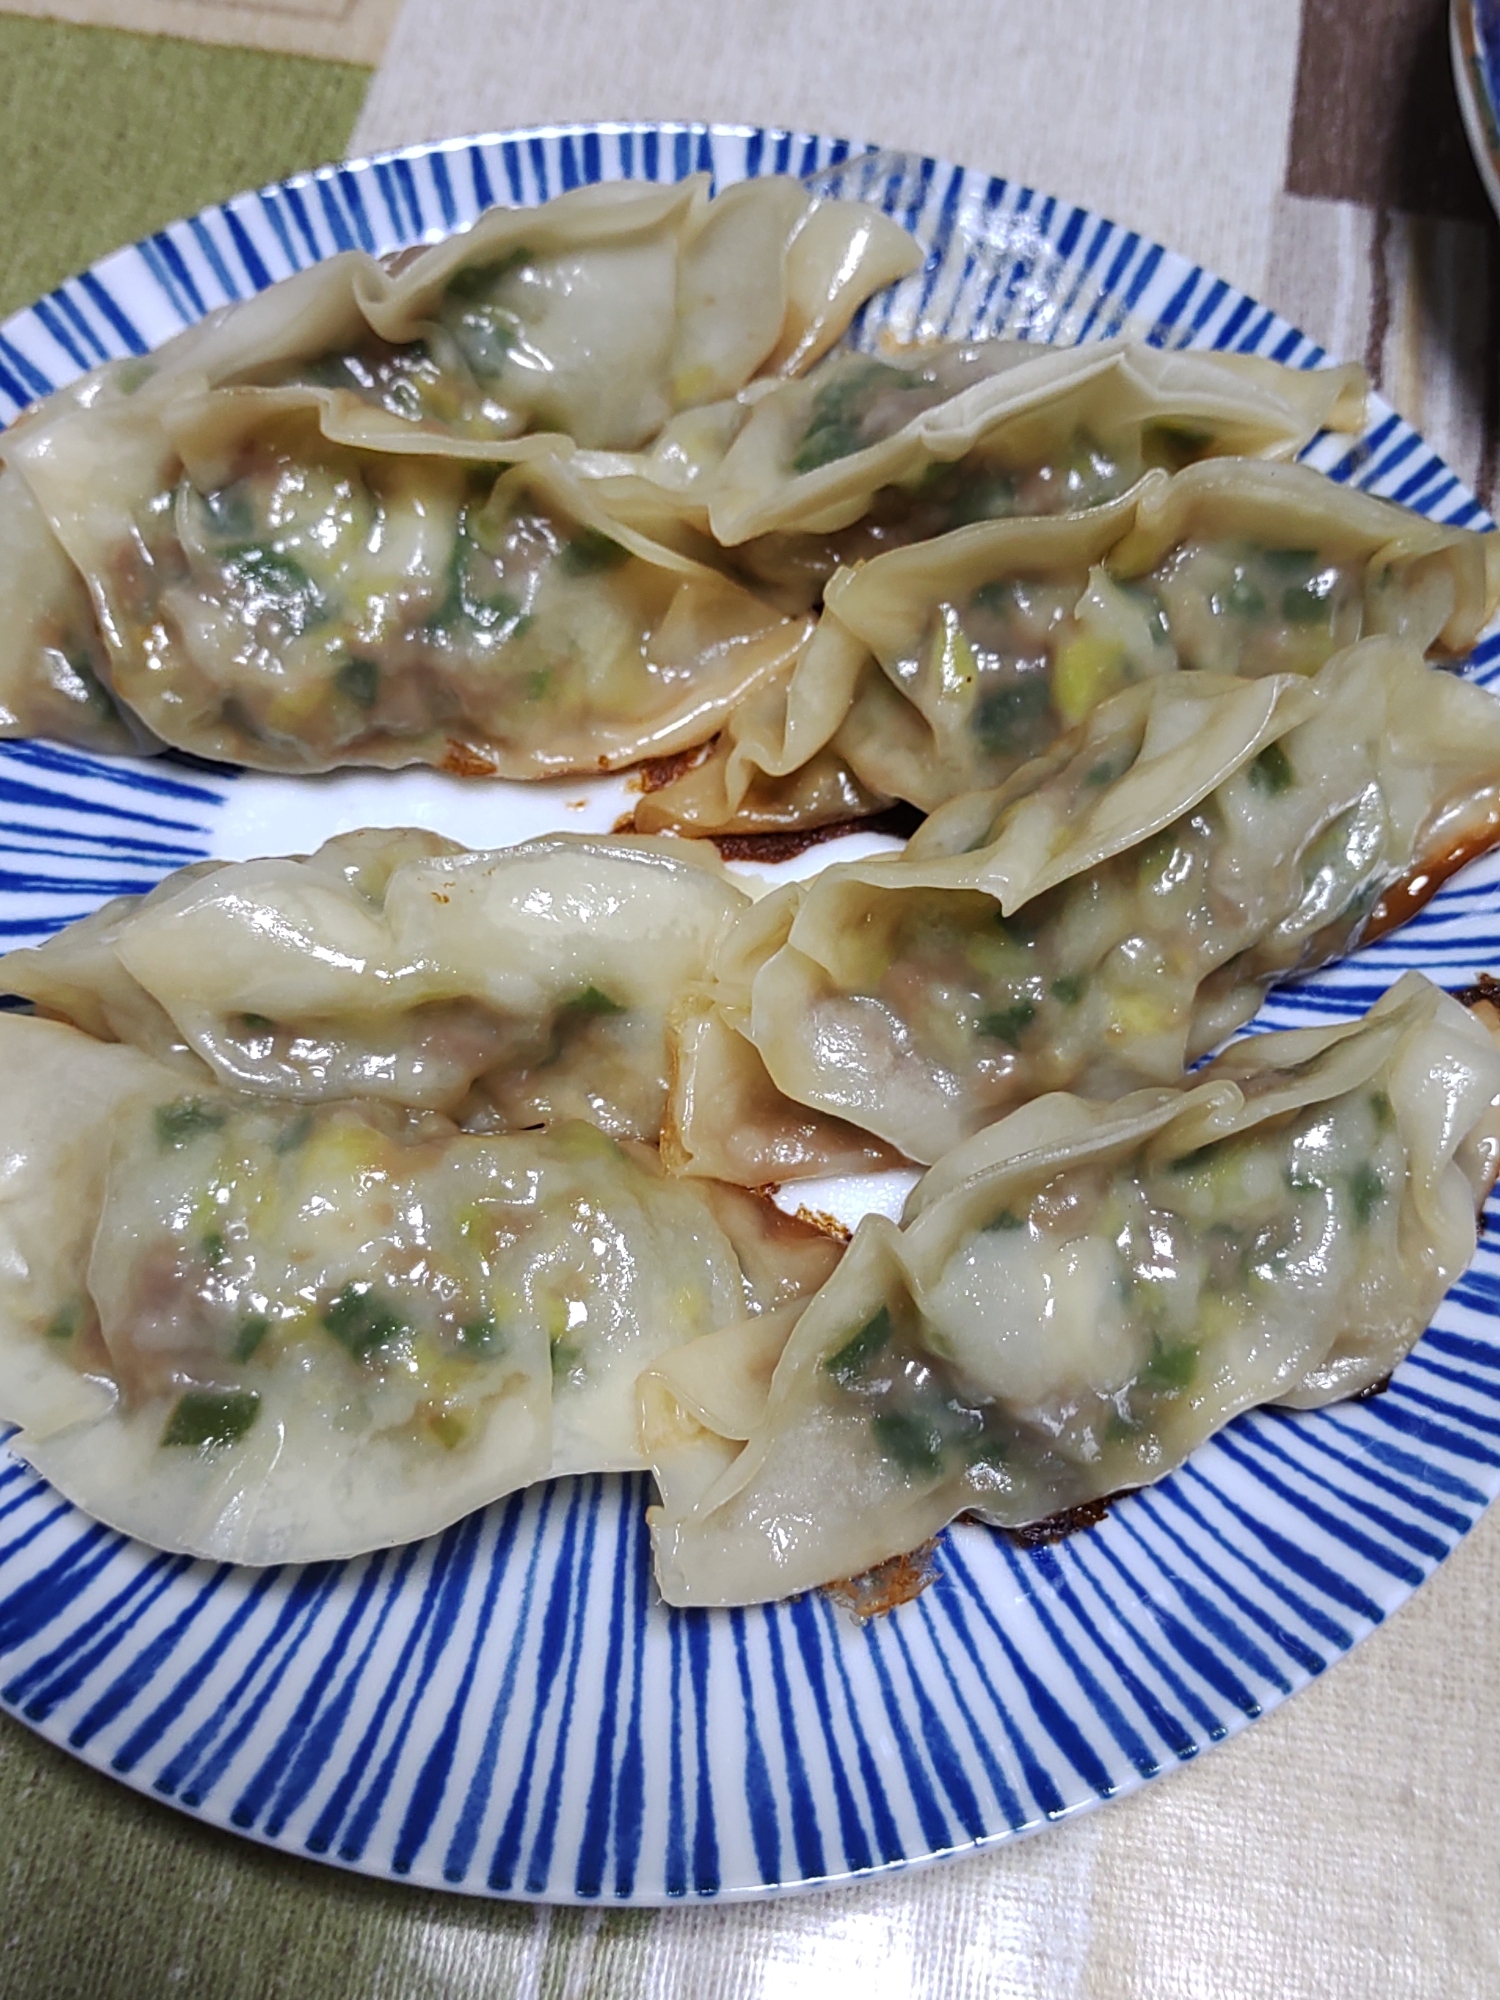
x: 1348, y: 1845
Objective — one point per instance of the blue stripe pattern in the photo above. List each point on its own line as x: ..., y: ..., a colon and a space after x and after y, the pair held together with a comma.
x: 507, y: 1708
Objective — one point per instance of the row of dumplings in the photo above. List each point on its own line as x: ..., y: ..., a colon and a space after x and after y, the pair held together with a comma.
x: 430, y: 1172
x: 275, y: 1322
x: 427, y: 1173
x: 567, y: 492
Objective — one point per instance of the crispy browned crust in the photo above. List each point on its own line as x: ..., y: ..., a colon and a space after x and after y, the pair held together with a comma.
x: 824, y: 1223
x: 654, y: 774
x: 466, y: 760
x: 900, y: 821
x: 1428, y: 874
x: 877, y: 1591
x: 1057, y: 1527
x: 1485, y: 992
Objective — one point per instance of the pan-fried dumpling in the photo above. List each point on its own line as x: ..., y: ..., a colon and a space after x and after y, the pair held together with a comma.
x: 939, y: 668
x: 267, y: 1332
x: 508, y: 990
x: 591, y: 320
x: 274, y: 599
x: 915, y: 442
x: 1115, y: 913
x: 601, y: 314
x: 874, y: 451
x: 1080, y: 1296
x: 1253, y: 569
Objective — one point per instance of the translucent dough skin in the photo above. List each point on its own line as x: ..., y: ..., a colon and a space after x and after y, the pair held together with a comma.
x: 1115, y: 911
x: 284, y: 1333
x: 871, y: 452
x: 508, y: 990
x: 1084, y: 1293
x: 277, y: 501
x: 1031, y: 429
x: 54, y: 666
x: 589, y: 320
x: 294, y: 604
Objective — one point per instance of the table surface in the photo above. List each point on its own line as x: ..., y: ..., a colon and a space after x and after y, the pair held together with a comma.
x: 1347, y: 1845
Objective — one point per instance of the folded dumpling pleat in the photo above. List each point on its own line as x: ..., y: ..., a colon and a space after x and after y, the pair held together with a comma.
x: 1081, y: 1295
x: 54, y: 664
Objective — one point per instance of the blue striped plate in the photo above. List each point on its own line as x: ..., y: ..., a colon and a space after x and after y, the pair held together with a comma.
x: 507, y: 1708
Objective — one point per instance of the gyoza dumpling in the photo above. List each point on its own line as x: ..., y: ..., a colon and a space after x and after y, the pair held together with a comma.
x: 508, y: 990
x: 1112, y: 915
x: 277, y: 600
x: 938, y: 669
x: 602, y: 313
x: 592, y: 319
x: 1080, y: 1296
x: 264, y: 1332
x: 875, y: 451
x: 1255, y: 569
x: 912, y: 443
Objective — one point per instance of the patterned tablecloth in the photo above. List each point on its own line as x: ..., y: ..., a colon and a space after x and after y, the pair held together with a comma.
x: 1350, y: 1844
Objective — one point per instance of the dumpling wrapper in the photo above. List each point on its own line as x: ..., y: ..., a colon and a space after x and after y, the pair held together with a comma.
x: 1108, y: 917
x: 1375, y: 567
x: 54, y: 665
x: 589, y: 320
x: 1038, y: 429
x: 874, y: 451
x: 1082, y: 1295
x: 274, y: 599
x: 260, y: 1332
x: 608, y: 310
x: 508, y: 990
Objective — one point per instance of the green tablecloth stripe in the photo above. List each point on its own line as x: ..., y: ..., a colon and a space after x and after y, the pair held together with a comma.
x: 105, y: 135
x: 110, y: 1896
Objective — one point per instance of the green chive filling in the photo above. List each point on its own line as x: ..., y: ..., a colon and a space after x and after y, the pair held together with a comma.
x: 360, y: 1320
x: 189, y: 1118
x: 849, y: 1362
x: 211, y: 1417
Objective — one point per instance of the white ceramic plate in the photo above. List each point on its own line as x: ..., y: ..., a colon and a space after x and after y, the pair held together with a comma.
x: 507, y: 1708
